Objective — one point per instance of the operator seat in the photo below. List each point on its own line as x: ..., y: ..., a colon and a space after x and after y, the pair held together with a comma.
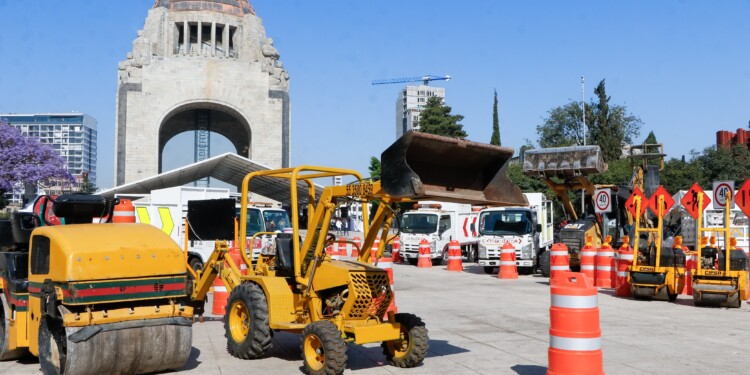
x: 284, y: 255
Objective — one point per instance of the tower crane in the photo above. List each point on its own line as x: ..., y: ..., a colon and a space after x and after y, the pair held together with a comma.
x: 425, y: 79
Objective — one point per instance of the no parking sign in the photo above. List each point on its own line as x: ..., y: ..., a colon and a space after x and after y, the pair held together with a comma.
x: 602, y: 201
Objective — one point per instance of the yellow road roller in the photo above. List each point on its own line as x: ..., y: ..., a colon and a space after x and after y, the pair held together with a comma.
x: 93, y: 298
x: 719, y: 280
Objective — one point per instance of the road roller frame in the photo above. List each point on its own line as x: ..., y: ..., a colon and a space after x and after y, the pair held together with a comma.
x: 717, y: 287
x: 298, y: 288
x: 657, y: 281
x: 93, y: 298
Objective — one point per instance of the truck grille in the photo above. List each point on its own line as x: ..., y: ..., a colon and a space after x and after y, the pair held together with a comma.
x: 372, y: 294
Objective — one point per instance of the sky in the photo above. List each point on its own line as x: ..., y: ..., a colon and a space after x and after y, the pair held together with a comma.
x: 683, y: 67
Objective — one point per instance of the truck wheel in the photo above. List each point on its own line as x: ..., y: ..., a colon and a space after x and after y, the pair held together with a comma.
x: 489, y: 269
x: 410, y: 350
x: 412, y: 261
x: 52, y: 346
x: 323, y: 349
x: 5, y: 353
x: 544, y: 263
x: 246, y: 322
x: 443, y: 260
x: 196, y: 264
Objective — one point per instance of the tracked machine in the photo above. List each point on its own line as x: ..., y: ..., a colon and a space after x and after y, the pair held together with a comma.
x: 719, y: 280
x: 91, y: 298
x: 298, y: 288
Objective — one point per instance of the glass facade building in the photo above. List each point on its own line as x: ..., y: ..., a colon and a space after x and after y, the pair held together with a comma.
x: 71, y: 135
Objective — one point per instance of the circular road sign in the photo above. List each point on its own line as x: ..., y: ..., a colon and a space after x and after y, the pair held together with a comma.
x: 720, y: 193
x: 602, y: 201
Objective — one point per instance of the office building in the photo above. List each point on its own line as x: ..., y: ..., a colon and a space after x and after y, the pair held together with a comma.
x: 411, y: 101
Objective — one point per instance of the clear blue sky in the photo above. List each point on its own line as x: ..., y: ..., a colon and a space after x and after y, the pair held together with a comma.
x: 683, y: 67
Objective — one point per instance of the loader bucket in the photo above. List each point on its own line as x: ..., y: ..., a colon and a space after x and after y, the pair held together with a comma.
x: 564, y: 162
x: 424, y: 166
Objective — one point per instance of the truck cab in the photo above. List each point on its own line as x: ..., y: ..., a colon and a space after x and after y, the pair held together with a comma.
x: 439, y: 223
x: 262, y: 217
x: 528, y: 229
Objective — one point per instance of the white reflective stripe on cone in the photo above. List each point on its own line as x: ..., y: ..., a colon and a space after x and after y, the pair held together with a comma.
x: 454, y: 257
x: 576, y: 344
x: 587, y: 267
x: 507, y: 263
x: 603, y: 268
x: 558, y: 253
x: 607, y: 254
x: 626, y: 256
x: 220, y: 289
x: 575, y: 302
x: 622, y: 273
x: 559, y: 268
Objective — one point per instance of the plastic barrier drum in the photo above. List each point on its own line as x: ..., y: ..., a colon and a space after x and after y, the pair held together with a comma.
x: 624, y: 261
x: 588, y: 259
x: 220, y: 297
x: 575, y: 344
x: 691, y: 259
x: 396, y: 252
x: 558, y: 260
x: 357, y: 245
x: 424, y: 255
x: 508, y: 262
x: 374, y: 250
x: 454, y: 257
x: 604, y: 260
x: 387, y: 265
x: 124, y: 212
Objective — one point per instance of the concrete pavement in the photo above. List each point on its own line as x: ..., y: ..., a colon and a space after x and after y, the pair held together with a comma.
x: 481, y: 325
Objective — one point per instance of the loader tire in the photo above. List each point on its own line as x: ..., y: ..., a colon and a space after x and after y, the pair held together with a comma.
x: 323, y: 349
x: 410, y: 350
x: 5, y: 352
x: 246, y: 322
x: 544, y: 263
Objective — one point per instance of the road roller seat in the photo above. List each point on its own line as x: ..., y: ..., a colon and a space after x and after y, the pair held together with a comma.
x: 284, y: 255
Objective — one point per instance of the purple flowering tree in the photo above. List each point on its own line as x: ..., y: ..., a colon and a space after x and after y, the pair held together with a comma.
x: 26, y: 160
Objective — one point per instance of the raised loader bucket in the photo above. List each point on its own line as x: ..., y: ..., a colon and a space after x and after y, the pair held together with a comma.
x: 564, y: 162
x: 424, y: 166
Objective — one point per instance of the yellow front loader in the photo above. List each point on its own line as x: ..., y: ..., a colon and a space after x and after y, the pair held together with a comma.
x: 298, y: 288
x: 719, y: 280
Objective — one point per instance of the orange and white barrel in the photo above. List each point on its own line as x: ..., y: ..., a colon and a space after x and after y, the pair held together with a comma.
x: 396, y: 246
x: 425, y: 261
x: 355, y: 249
x: 588, y: 259
x: 604, y: 260
x: 575, y: 345
x: 387, y: 264
x: 508, y: 270
x: 691, y: 264
x: 220, y: 297
x: 623, y: 263
x: 559, y: 259
x: 374, y: 251
x: 124, y: 212
x: 455, y: 263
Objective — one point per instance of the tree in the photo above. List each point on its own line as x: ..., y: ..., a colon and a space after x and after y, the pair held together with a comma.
x: 374, y: 168
x: 436, y: 118
x: 495, y: 139
x: 26, y: 160
x: 87, y: 186
x: 722, y: 163
x: 679, y: 174
x: 610, y: 126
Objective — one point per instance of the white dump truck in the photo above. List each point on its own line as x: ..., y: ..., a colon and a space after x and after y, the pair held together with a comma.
x: 439, y: 223
x: 529, y: 229
x: 167, y: 209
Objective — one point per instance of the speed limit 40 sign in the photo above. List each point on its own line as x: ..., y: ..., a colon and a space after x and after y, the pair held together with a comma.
x: 602, y: 201
x: 722, y: 189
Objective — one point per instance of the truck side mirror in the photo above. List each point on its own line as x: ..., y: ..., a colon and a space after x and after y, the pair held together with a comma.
x: 539, y: 227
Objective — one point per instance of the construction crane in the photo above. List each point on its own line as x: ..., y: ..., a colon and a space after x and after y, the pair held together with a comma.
x: 424, y: 79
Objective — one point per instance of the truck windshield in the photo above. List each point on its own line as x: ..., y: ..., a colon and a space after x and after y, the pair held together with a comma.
x: 266, y: 221
x: 419, y: 223
x: 504, y: 223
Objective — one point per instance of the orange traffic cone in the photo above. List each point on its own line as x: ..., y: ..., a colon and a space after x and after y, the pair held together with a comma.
x: 387, y: 265
x: 454, y: 257
x: 575, y: 342
x: 397, y: 250
x: 559, y: 260
x: 220, y: 297
x: 508, y: 268
x: 374, y: 251
x: 624, y: 261
x: 424, y: 255
x: 588, y: 259
x: 604, y: 259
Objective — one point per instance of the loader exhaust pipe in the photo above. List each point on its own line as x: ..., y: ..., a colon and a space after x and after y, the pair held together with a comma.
x: 424, y: 166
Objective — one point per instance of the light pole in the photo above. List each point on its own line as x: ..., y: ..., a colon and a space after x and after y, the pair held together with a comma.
x: 583, y: 112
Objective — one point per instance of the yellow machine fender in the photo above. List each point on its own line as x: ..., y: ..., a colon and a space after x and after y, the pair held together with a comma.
x: 280, y: 299
x: 5, y: 333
